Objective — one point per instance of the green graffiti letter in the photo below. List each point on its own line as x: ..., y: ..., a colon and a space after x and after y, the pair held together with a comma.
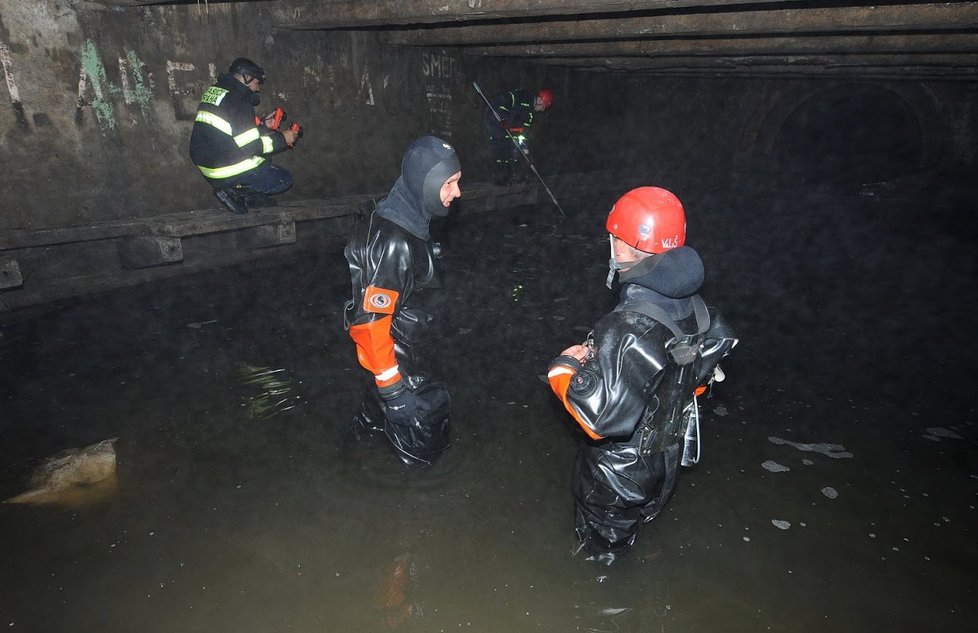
x: 141, y: 92
x: 93, y: 69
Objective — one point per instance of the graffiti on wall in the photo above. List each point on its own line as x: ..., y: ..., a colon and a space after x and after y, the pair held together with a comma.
x: 366, y: 89
x: 140, y: 91
x: 116, y: 89
x: 97, y: 91
x: 440, y: 72
x: 111, y: 95
x: 184, y: 94
x: 8, y: 75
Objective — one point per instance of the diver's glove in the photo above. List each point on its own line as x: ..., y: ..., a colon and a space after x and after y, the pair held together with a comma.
x: 401, y: 407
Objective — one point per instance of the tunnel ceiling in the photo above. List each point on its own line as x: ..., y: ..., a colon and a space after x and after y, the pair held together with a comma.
x: 665, y: 37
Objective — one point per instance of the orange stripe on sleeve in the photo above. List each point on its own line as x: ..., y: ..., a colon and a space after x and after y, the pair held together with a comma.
x: 560, y: 377
x: 375, y: 350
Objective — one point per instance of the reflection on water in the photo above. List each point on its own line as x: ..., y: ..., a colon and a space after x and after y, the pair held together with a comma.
x: 269, y: 393
x: 224, y: 524
x: 393, y: 596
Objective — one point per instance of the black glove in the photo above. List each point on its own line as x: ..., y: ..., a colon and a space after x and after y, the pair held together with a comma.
x: 401, y: 407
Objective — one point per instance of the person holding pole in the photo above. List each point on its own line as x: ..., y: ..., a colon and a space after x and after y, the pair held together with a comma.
x: 507, y: 119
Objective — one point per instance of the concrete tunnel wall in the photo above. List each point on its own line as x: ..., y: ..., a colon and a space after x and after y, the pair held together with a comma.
x: 102, y: 104
x: 101, y: 101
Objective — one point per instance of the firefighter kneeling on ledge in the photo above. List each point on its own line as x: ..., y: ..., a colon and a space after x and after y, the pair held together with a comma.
x: 231, y: 146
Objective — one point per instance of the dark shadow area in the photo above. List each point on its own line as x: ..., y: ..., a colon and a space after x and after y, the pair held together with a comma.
x: 851, y: 136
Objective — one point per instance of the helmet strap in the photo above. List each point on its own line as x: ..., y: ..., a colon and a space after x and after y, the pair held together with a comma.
x: 613, y: 264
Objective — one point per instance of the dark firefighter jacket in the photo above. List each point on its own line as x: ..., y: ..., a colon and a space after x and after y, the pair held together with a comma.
x: 515, y: 108
x: 632, y: 391
x: 226, y: 141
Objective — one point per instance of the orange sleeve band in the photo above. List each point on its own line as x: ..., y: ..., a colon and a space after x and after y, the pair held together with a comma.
x: 375, y: 350
x: 560, y: 377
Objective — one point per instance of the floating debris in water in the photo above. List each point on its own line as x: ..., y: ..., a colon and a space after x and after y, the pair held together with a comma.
x: 781, y: 525
x: 830, y: 492
x: 936, y: 432
x: 835, y: 451
x: 720, y: 410
x: 273, y: 397
x: 200, y: 324
x: 602, y: 620
x: 774, y: 467
x: 75, y: 477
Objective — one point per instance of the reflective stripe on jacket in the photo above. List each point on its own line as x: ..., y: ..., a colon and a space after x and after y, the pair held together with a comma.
x: 226, y: 142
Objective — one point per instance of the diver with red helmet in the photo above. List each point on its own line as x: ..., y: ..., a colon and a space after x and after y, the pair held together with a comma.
x: 507, y: 133
x: 632, y: 385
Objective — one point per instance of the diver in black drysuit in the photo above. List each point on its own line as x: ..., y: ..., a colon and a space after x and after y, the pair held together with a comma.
x: 633, y: 398
x: 391, y: 257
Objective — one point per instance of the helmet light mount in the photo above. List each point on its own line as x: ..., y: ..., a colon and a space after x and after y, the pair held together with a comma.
x: 247, y: 69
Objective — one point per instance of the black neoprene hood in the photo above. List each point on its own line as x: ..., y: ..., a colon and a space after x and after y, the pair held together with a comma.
x: 430, y: 161
x: 416, y: 196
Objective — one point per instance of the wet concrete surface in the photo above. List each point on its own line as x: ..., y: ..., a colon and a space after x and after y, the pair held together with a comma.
x: 836, y: 491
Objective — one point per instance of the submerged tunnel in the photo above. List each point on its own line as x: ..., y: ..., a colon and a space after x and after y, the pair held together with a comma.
x: 824, y: 153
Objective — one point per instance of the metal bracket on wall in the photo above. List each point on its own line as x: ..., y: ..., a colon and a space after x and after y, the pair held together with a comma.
x: 10, y: 276
x: 143, y: 251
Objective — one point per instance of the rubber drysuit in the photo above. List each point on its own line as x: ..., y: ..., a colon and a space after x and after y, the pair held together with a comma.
x: 632, y: 397
x: 391, y: 258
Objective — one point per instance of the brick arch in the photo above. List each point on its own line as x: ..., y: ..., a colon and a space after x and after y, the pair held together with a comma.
x: 758, y: 147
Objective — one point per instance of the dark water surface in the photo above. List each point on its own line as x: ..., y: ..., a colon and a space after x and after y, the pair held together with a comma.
x: 837, y: 488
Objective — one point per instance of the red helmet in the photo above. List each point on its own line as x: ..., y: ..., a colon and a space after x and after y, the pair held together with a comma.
x: 650, y: 219
x: 546, y: 95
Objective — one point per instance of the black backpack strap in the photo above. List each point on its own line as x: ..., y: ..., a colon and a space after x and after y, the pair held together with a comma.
x: 684, y: 352
x: 655, y: 312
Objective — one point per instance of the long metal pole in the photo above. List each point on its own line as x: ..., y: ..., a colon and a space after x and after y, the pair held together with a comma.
x: 518, y: 148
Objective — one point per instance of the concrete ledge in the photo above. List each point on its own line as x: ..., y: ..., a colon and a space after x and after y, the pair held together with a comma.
x: 267, y: 235
x: 64, y: 262
x: 184, y: 223
x: 477, y: 196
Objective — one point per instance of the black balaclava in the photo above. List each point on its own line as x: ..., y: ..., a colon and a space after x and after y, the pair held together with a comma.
x: 672, y: 276
x: 416, y: 196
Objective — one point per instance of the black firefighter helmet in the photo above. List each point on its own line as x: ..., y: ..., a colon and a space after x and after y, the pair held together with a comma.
x: 247, y: 68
